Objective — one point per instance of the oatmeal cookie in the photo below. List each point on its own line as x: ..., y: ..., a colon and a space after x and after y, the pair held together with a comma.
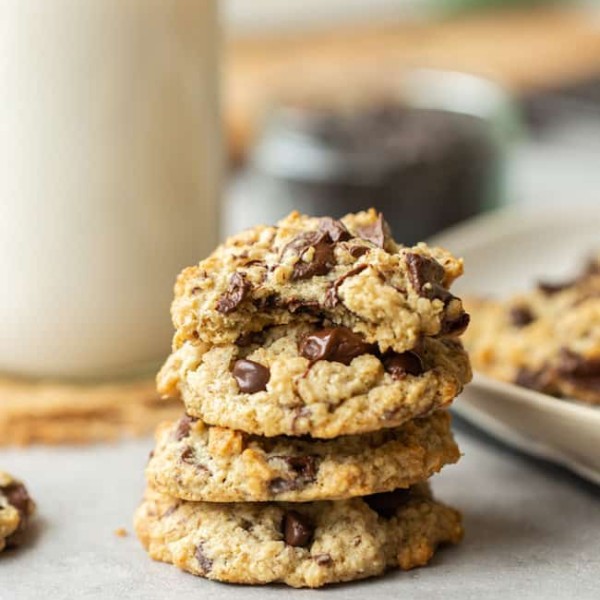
x: 193, y: 461
x: 350, y: 272
x: 308, y: 379
x: 547, y: 339
x: 302, y: 544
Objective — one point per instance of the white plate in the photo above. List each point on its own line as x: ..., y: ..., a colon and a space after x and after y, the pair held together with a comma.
x: 506, y: 252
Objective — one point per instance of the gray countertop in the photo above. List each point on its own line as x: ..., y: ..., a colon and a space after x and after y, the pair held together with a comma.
x: 533, y: 531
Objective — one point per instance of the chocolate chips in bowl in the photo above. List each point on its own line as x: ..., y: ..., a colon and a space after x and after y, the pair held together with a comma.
x: 424, y: 168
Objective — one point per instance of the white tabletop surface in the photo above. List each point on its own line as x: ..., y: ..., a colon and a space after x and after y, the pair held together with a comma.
x: 532, y: 532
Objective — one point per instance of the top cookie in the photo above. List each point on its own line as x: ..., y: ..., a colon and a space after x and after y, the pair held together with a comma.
x: 547, y: 339
x: 350, y: 272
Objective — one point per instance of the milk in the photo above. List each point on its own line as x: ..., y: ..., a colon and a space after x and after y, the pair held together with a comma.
x: 109, y: 173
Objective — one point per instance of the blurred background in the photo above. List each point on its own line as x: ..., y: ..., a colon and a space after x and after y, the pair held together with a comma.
x: 134, y: 134
x: 432, y: 110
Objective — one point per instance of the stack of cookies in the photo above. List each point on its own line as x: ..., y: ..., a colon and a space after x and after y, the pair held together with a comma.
x: 313, y: 359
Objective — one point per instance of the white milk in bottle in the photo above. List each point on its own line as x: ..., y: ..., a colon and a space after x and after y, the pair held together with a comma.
x: 109, y: 171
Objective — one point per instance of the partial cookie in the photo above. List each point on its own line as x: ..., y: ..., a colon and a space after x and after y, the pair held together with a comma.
x: 350, y: 272
x: 16, y: 507
x: 197, y: 462
x: 547, y: 340
x: 302, y: 545
x: 324, y: 382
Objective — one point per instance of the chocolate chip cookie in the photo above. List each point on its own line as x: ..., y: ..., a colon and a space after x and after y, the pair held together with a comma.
x: 349, y: 272
x: 16, y: 507
x: 324, y: 381
x: 547, y: 339
x: 197, y: 462
x: 302, y: 545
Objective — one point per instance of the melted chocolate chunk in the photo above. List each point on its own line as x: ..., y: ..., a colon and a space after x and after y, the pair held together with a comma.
x: 401, y: 365
x: 375, y: 232
x: 238, y: 289
x: 297, y: 529
x: 323, y: 240
x: 183, y: 428
x: 204, y: 562
x: 322, y: 262
x: 386, y: 504
x: 251, y: 376
x: 426, y: 275
x: 331, y: 296
x: 336, y: 230
x: 338, y: 344
x: 520, y: 316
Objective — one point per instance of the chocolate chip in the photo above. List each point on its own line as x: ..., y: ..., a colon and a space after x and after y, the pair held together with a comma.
x: 375, y: 232
x: 188, y: 455
x: 251, y: 376
x: 303, y: 466
x: 323, y: 241
x: 336, y: 230
x: 183, y: 428
x: 322, y: 261
x: 386, y: 504
x: 520, y: 316
x: 426, y: 275
x: 204, y: 562
x: 338, y: 344
x: 297, y: 529
x: 323, y: 560
x: 303, y: 471
x: 238, y: 289
x: 331, y: 296
x: 302, y: 306
x: 401, y: 365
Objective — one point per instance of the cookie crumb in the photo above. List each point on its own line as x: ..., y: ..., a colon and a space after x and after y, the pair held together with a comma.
x: 121, y: 532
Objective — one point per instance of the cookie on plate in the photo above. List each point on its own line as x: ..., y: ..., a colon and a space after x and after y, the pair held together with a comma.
x: 197, y: 462
x: 315, y: 380
x: 547, y: 339
x: 302, y: 545
x: 16, y: 508
x: 350, y: 272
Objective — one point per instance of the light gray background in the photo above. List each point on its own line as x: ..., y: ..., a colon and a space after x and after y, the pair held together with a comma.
x: 533, y: 531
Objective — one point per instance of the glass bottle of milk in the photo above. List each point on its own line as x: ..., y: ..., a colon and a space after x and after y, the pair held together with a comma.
x: 110, y: 154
